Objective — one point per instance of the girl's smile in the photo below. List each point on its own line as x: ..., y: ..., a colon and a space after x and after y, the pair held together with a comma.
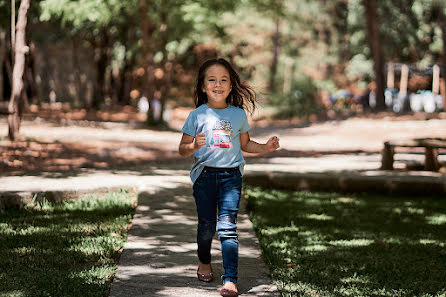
x: 217, y: 86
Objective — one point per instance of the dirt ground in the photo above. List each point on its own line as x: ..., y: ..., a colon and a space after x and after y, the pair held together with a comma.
x: 58, y: 141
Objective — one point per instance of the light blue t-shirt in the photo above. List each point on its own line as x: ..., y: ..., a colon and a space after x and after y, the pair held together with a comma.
x: 222, y: 128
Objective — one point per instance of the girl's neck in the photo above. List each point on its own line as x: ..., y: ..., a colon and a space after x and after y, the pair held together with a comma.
x: 223, y: 105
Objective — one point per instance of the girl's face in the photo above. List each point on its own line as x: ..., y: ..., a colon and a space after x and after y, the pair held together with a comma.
x: 217, y: 86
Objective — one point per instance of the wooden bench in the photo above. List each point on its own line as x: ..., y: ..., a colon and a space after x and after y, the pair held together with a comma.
x: 431, y: 146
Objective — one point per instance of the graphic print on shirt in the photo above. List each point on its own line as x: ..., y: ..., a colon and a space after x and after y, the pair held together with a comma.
x: 221, y: 135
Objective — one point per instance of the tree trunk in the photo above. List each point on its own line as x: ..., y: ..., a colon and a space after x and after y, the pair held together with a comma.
x: 2, y: 60
x: 8, y: 66
x: 9, y: 72
x: 125, y: 75
x: 167, y: 66
x: 121, y: 95
x: 79, y: 100
x: 375, y: 47
x: 30, y: 74
x: 276, y: 45
x: 442, y: 24
x: 101, y: 61
x: 21, y: 49
x: 147, y: 31
x: 127, y: 81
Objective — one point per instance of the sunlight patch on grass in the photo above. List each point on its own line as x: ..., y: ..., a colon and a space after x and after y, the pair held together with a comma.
x: 280, y: 245
x: 22, y: 251
x: 352, y: 242
x: 414, y: 210
x: 391, y: 240
x: 318, y: 217
x: 31, y: 230
x: 290, y: 289
x: 14, y: 293
x: 438, y: 219
x: 307, y: 233
x: 310, y: 201
x: 355, y: 279
x: 96, y: 275
x: 314, y: 248
x: 95, y: 245
x: 346, y: 201
x: 408, y: 210
x: 277, y: 230
x: 432, y: 242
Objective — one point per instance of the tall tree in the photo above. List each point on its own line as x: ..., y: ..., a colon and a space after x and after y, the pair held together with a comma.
x: 101, y: 24
x: 276, y: 46
x: 147, y: 29
x: 375, y: 47
x: 274, y: 9
x: 15, y: 104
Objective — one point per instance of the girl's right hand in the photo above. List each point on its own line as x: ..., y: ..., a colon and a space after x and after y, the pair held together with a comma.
x: 200, y: 140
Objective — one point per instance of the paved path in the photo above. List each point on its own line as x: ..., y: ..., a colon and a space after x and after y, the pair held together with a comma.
x: 160, y: 259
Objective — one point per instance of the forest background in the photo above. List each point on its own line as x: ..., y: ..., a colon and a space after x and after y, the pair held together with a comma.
x: 91, y: 55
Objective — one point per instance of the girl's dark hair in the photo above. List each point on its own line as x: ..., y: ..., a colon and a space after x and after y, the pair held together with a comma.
x: 241, y: 95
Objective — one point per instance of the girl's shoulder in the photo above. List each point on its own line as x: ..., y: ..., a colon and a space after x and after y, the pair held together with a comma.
x: 237, y: 110
x: 198, y: 110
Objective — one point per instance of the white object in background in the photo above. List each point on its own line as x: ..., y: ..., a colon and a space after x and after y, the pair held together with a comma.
x: 167, y: 113
x: 156, y: 105
x: 143, y: 104
x: 399, y: 102
x: 439, y: 102
x: 416, y: 103
x: 388, y: 97
x: 428, y: 102
x: 372, y: 99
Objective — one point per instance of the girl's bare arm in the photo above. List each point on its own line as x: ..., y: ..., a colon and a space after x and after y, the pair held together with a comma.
x: 189, y: 144
x: 250, y: 146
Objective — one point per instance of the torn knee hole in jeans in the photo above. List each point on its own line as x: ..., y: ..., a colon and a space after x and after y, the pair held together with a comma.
x: 228, y: 219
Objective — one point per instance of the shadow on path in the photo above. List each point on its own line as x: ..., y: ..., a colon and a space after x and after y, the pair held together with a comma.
x: 160, y: 259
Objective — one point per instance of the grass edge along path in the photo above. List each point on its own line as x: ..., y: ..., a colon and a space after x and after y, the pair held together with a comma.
x: 329, y: 244
x: 70, y: 248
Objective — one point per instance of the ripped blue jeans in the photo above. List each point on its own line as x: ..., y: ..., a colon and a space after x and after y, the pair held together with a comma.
x: 217, y: 195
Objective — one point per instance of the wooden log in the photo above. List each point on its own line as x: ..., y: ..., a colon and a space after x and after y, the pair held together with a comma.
x: 431, y: 159
x: 387, y: 156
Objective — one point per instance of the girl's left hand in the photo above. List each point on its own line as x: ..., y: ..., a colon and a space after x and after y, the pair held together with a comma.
x: 272, y: 144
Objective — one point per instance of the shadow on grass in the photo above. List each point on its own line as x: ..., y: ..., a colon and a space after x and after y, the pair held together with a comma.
x: 68, y: 249
x: 355, y: 245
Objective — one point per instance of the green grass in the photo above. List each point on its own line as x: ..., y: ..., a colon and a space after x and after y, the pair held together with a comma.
x: 326, y: 244
x: 65, y: 249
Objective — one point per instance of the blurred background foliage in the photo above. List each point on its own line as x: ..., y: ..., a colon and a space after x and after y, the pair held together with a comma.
x: 103, y: 54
